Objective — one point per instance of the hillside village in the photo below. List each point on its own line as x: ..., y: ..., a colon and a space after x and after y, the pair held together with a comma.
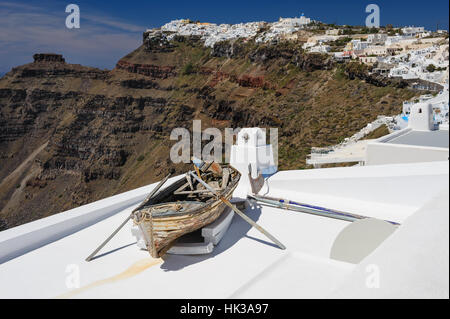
x: 414, y: 54
x: 405, y: 52
x: 411, y: 53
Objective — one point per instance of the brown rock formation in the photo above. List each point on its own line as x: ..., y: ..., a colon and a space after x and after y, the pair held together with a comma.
x: 154, y: 71
x: 48, y: 57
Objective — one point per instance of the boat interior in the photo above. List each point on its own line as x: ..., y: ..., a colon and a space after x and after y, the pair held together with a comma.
x: 187, y: 195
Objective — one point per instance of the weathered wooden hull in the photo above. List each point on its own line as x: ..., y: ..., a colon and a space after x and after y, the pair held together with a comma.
x: 160, y: 232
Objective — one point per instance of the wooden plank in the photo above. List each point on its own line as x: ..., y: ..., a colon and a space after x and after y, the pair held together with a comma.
x: 205, y: 166
x: 181, y: 188
x: 225, y: 178
x: 188, y: 178
x: 198, y: 191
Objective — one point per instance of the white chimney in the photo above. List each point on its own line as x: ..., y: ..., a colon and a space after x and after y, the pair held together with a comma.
x: 251, y: 148
x: 421, y: 117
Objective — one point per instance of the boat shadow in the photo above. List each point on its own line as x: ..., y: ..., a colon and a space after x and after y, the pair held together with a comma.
x: 113, y: 250
x: 238, y: 229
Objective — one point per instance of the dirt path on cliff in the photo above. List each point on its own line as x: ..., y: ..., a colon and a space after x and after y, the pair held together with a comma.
x: 12, y: 180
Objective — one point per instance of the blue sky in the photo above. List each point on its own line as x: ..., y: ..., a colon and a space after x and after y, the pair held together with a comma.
x: 111, y: 29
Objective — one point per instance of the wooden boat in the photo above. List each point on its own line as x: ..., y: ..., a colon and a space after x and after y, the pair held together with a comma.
x: 185, y: 206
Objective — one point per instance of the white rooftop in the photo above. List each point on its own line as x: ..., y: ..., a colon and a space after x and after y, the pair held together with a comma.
x: 49, y: 255
x: 437, y: 138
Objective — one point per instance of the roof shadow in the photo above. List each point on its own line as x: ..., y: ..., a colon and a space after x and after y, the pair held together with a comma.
x: 238, y: 229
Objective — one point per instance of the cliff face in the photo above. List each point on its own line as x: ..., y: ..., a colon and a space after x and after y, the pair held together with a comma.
x: 71, y: 134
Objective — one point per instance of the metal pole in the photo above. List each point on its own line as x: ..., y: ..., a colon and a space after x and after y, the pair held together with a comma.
x: 309, y: 209
x: 241, y: 214
x: 89, y: 258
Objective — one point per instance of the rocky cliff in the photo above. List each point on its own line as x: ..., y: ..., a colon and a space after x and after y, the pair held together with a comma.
x: 71, y: 134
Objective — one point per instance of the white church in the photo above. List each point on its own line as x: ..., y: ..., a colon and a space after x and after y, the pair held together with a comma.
x: 294, y: 22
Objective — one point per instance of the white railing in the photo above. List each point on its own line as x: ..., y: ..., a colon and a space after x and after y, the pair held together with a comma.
x: 320, y: 152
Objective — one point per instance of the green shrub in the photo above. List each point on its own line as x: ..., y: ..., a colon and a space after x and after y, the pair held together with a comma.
x: 431, y: 68
x: 188, y: 69
x: 356, y: 69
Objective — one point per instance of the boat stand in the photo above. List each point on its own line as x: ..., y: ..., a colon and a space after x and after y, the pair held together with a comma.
x: 208, y: 236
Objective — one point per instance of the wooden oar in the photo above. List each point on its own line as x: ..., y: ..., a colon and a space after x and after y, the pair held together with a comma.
x: 198, y: 171
x: 241, y: 214
x: 161, y: 183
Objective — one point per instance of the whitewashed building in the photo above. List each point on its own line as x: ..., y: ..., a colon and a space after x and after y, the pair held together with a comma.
x: 320, y: 48
x: 412, y: 31
x: 378, y: 38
